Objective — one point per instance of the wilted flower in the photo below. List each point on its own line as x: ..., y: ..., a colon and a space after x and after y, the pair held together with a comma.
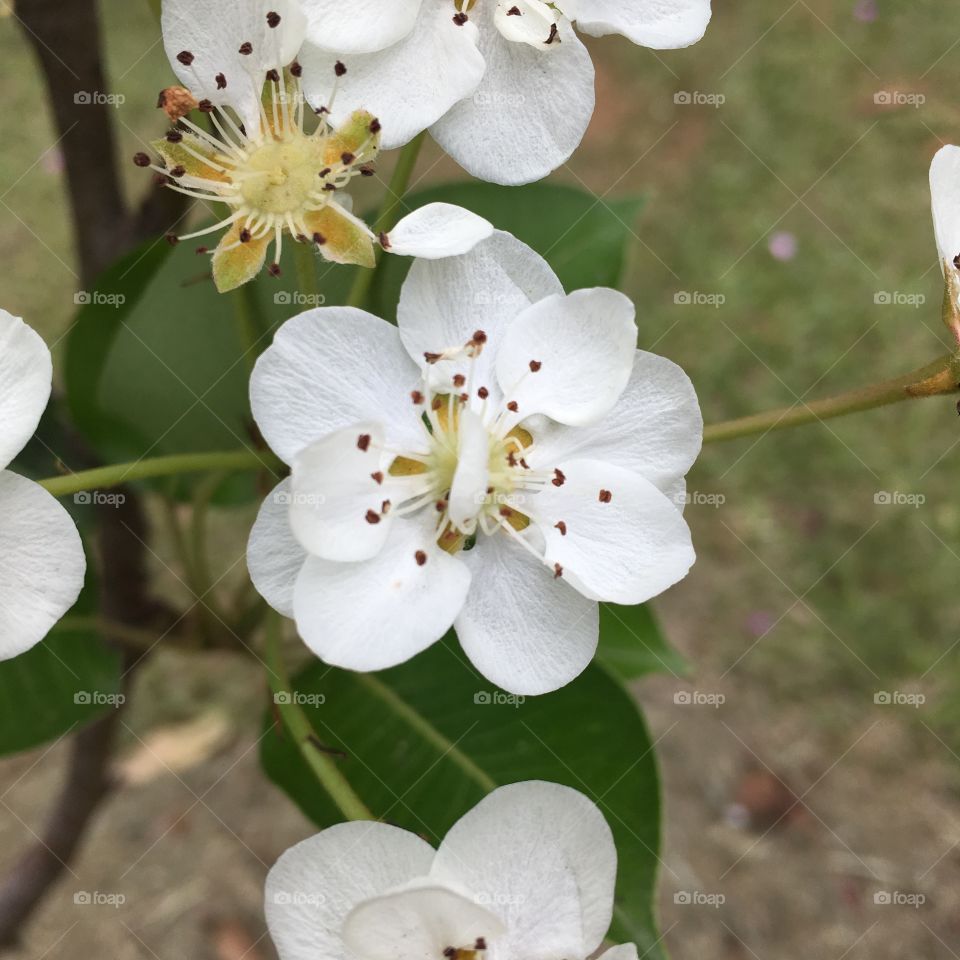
x: 527, y: 874
x: 41, y: 556
x: 505, y: 87
x: 500, y: 463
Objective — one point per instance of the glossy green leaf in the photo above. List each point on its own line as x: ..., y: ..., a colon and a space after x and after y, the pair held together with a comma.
x: 633, y: 645
x: 426, y: 740
x: 65, y: 681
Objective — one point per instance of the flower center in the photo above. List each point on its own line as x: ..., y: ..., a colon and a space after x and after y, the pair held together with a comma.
x: 280, y: 177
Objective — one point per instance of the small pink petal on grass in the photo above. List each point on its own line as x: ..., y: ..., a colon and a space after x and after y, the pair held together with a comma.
x: 782, y: 246
x: 865, y: 11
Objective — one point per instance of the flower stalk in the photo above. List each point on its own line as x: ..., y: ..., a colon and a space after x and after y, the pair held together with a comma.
x: 935, y: 379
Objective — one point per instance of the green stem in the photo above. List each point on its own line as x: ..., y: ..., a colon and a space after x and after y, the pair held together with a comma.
x: 243, y: 311
x: 102, y: 478
x: 296, y: 722
x: 305, y: 262
x: 396, y: 191
x: 935, y: 379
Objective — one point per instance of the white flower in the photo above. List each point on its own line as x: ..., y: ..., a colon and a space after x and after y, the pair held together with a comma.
x: 41, y: 556
x: 527, y: 874
x: 280, y: 170
x: 504, y: 86
x: 499, y: 463
x: 945, y: 196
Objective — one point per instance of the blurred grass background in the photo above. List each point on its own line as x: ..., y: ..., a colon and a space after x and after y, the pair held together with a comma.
x: 798, y: 201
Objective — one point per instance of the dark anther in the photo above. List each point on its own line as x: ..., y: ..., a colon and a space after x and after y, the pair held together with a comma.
x: 172, y: 239
x: 375, y: 126
x: 479, y: 337
x: 274, y: 270
x: 512, y: 406
x: 535, y: 365
x: 417, y: 397
x: 363, y: 442
x: 558, y: 478
x: 557, y: 571
x: 339, y: 68
x: 174, y: 136
x: 605, y: 496
x: 346, y: 158
x: 384, y: 240
x: 459, y: 380
x: 562, y: 527
x: 513, y: 12
x: 178, y: 171
x: 420, y: 557
x: 366, y: 170
x: 325, y: 172
x: 245, y: 236
x: 141, y: 160
x: 246, y: 48
x: 205, y: 106
x: 460, y: 19
x: 377, y: 477
x: 373, y: 516
x: 273, y: 19
x: 295, y: 69
x: 481, y: 944
x: 432, y: 357
x: 185, y: 57
x: 319, y: 239
x: 553, y: 34
x: 221, y: 81
x: 202, y: 250
x: 483, y: 393
x: 273, y: 75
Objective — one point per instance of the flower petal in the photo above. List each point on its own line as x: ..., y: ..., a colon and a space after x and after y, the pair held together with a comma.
x: 26, y: 372
x: 274, y: 556
x: 345, y: 238
x: 353, y: 136
x: 340, y: 507
x: 945, y: 196
x: 203, y: 42
x: 522, y: 628
x: 472, y: 474
x: 655, y: 428
x: 235, y: 261
x: 621, y: 539
x: 313, y: 887
x: 526, y: 21
x: 660, y: 24
x: 407, y: 86
x: 569, y: 357
x: 41, y: 563
x: 360, y: 26
x: 418, y: 924
x: 529, y: 113
x: 623, y: 951
x: 328, y: 368
x: 380, y: 612
x: 520, y: 846
x: 438, y: 230
x: 444, y: 302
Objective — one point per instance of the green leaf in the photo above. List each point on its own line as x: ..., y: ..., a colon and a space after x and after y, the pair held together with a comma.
x: 67, y: 680
x: 583, y: 237
x: 155, y: 361
x: 633, y: 645
x: 427, y: 740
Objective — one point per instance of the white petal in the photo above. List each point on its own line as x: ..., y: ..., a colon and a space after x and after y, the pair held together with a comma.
x: 407, y: 86
x: 522, y: 628
x: 624, y: 541
x: 328, y: 368
x: 359, y: 26
x: 520, y: 846
x: 378, y: 613
x: 444, y: 302
x: 41, y: 563
x: 313, y: 887
x: 525, y: 21
x: 530, y: 111
x: 418, y: 924
x: 623, y: 951
x: 340, y: 507
x: 660, y: 24
x: 213, y: 32
x: 472, y: 474
x: 569, y: 357
x: 274, y: 556
x: 438, y: 230
x: 655, y: 429
x: 945, y: 196
x: 26, y: 372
